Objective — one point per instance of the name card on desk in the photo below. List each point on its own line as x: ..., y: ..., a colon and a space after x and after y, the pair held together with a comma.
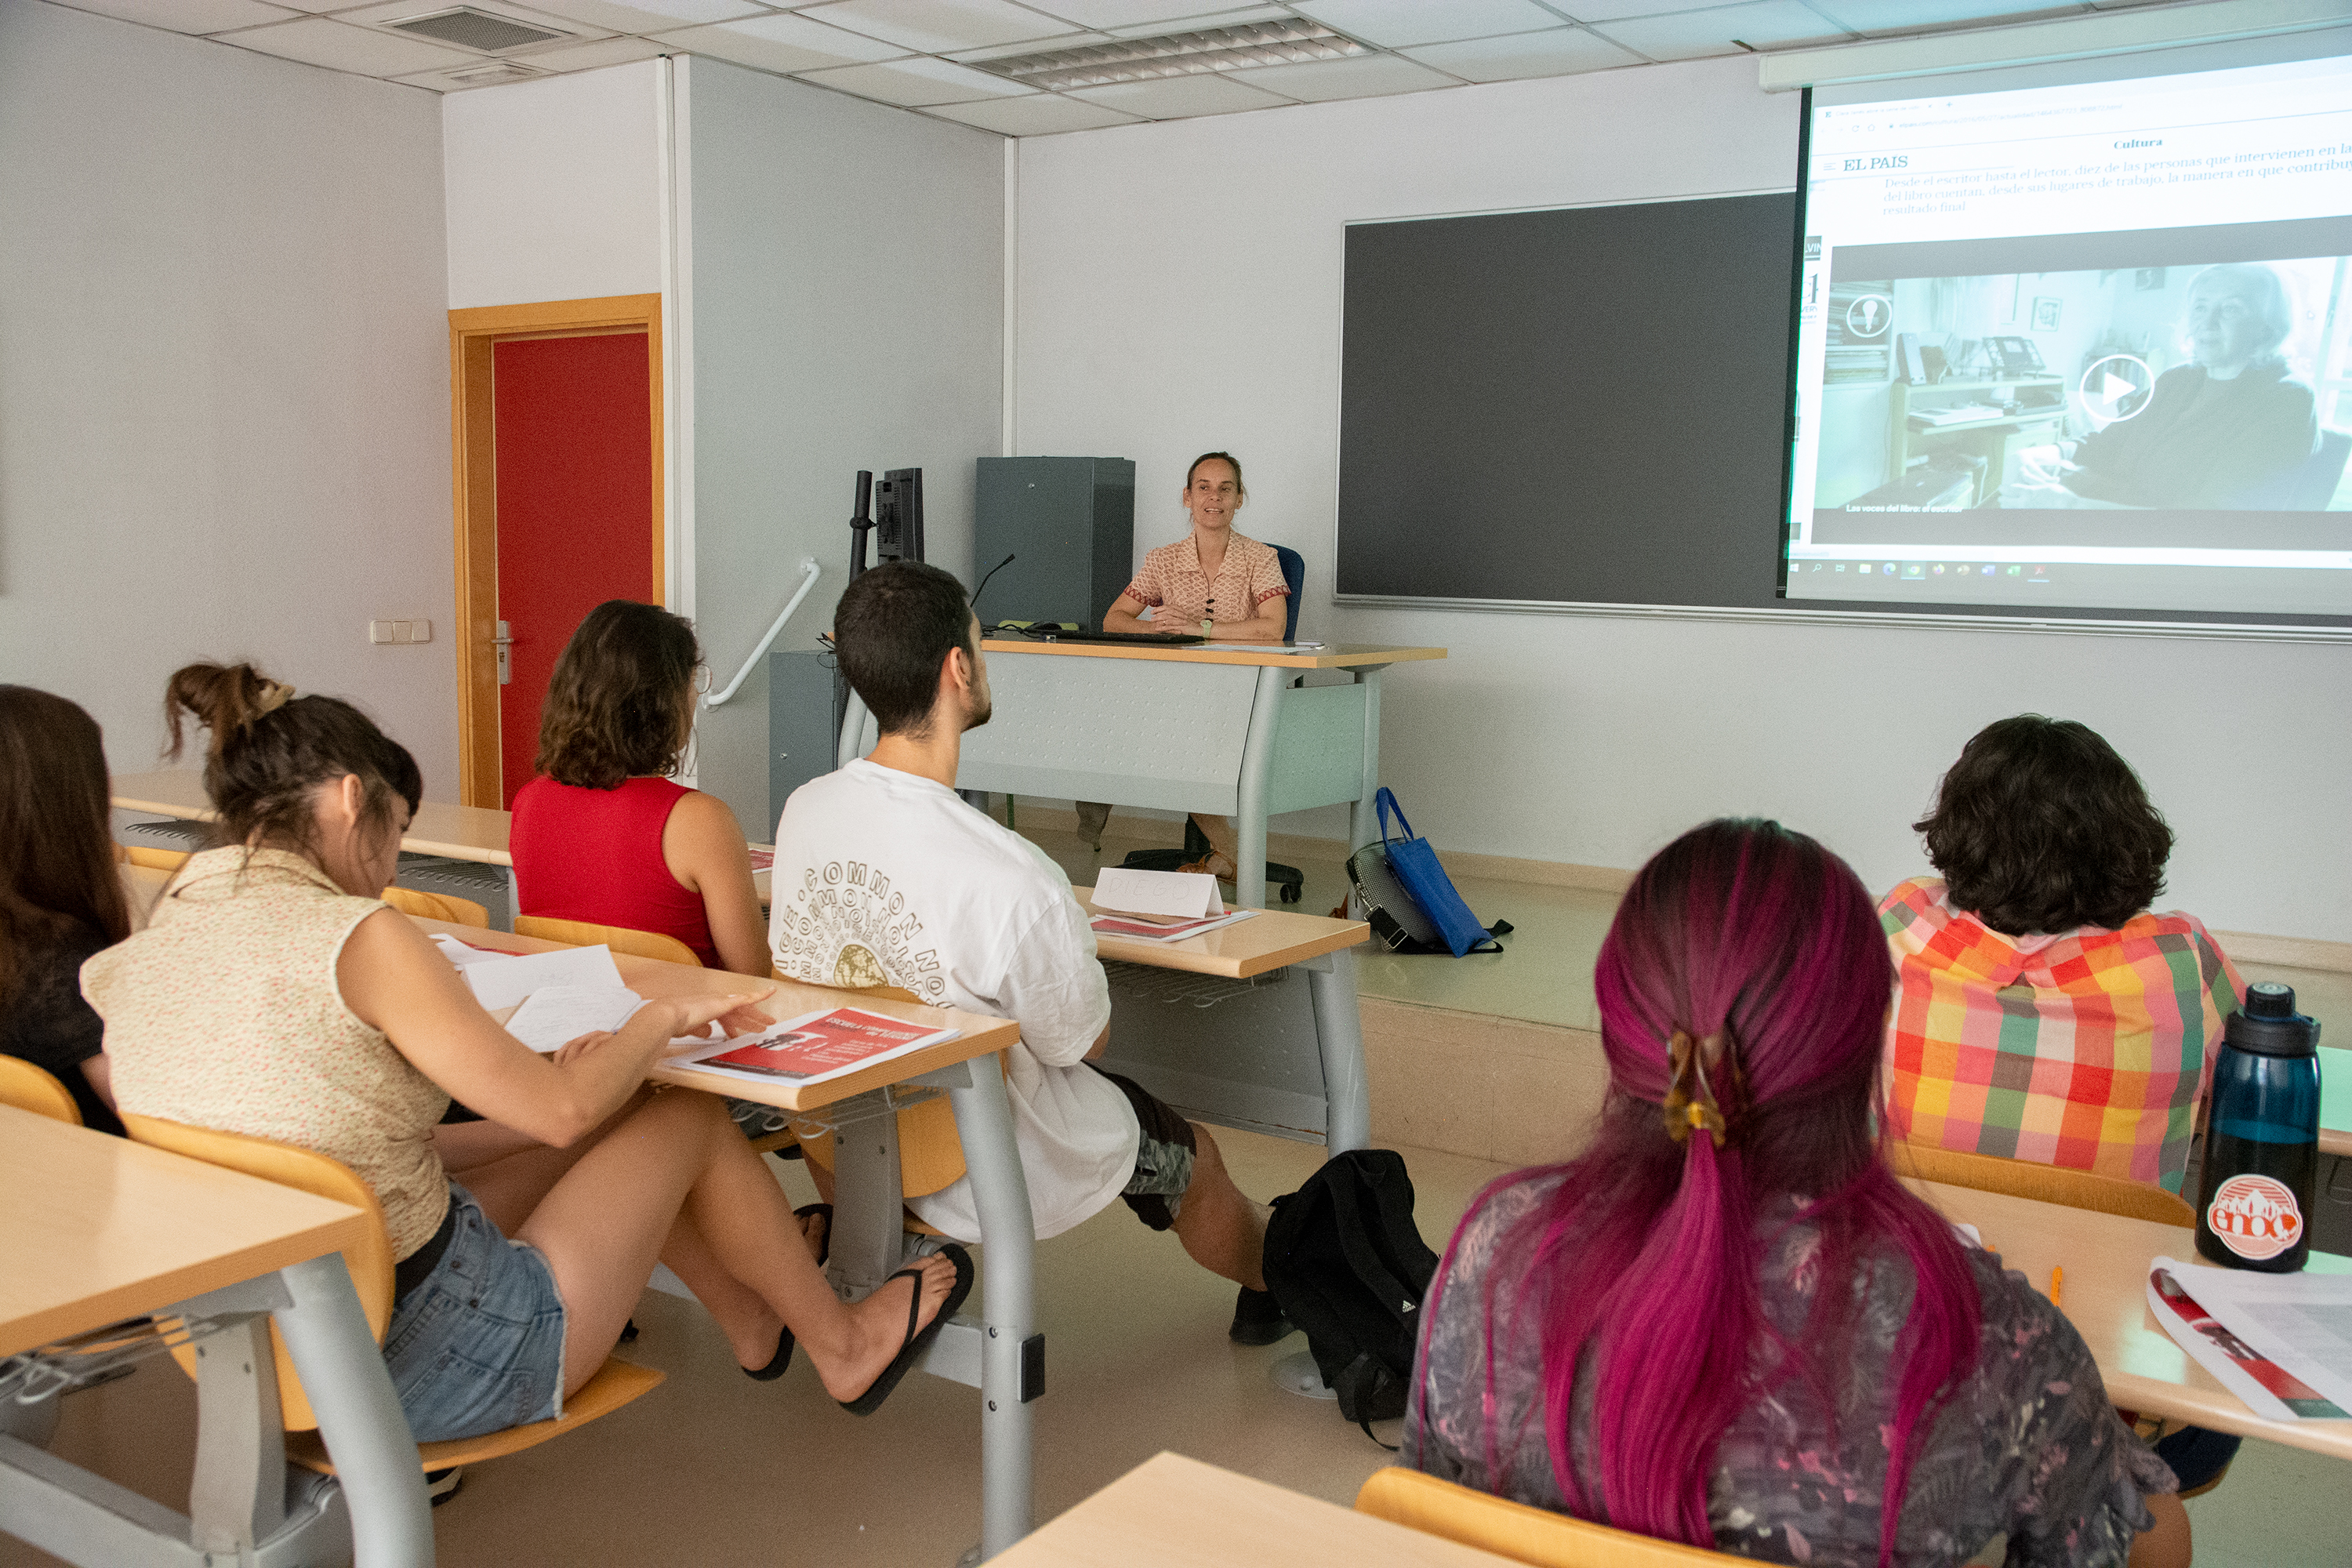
x: 1157, y: 895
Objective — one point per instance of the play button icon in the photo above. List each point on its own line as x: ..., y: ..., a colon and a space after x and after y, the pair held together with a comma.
x: 2116, y: 388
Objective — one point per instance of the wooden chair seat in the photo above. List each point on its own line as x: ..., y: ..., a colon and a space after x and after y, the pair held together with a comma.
x: 1536, y: 1536
x: 33, y: 1089
x: 2045, y: 1184
x: 437, y: 907
x: 370, y: 1264
x: 614, y: 1384
x: 619, y: 939
x: 154, y: 859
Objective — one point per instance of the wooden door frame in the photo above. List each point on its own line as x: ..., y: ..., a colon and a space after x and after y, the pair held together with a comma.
x: 473, y: 334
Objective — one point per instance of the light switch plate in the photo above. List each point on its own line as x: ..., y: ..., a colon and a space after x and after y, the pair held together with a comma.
x: 383, y: 631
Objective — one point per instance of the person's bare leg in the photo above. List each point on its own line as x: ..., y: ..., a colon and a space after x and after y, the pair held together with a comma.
x: 1092, y: 816
x: 605, y: 1223
x: 1222, y: 1230
x: 2165, y: 1544
x: 508, y: 1173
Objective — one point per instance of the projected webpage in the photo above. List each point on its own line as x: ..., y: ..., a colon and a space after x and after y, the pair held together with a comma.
x: 2082, y: 346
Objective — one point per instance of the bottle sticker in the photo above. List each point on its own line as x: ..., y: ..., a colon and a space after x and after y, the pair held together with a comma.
x: 2256, y: 1217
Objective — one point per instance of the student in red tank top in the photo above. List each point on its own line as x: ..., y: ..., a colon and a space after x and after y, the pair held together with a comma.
x: 603, y: 835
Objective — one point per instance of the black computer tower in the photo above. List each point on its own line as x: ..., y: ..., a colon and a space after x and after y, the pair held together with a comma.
x: 1068, y: 523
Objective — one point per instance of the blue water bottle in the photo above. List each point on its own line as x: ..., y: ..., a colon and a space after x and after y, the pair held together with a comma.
x: 2261, y: 1137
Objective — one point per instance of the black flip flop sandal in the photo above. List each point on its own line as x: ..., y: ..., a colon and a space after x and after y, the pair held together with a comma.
x: 824, y: 1250
x: 867, y: 1403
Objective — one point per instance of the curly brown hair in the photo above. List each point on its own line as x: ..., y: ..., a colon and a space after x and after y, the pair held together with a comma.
x: 2042, y: 827
x: 620, y: 703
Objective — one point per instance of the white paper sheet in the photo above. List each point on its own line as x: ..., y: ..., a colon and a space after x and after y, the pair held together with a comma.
x: 553, y: 1016
x: 458, y: 953
x: 503, y: 982
x: 2300, y: 1322
x: 1170, y: 895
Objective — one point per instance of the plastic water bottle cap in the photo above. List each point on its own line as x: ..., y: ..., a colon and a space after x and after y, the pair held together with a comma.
x: 2269, y: 999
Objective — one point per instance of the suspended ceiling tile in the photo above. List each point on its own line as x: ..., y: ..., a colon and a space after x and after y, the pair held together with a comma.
x: 782, y: 44
x: 1908, y: 16
x: 646, y: 16
x: 365, y: 51
x: 1614, y: 10
x: 1199, y: 23
x: 1560, y: 51
x: 1392, y: 24
x: 1181, y: 97
x: 937, y: 26
x: 1042, y: 115
x: 1687, y: 35
x: 1364, y: 76
x: 187, y: 15
x: 1106, y: 14
x: 1032, y: 47
x: 917, y: 82
x: 593, y: 56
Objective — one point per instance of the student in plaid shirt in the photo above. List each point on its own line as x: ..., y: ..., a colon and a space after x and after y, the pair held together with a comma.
x: 2042, y: 1012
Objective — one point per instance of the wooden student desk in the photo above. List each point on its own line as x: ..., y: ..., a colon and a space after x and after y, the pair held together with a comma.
x: 1178, y: 729
x: 1182, y: 1513
x: 1000, y: 1351
x: 95, y: 1230
x: 2104, y: 1296
x: 472, y: 833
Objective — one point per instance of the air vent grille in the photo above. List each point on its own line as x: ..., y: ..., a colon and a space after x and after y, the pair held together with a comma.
x: 1177, y: 54
x: 471, y: 29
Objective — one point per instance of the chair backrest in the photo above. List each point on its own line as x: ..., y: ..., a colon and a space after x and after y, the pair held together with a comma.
x: 1513, y: 1530
x: 2045, y: 1183
x: 154, y: 859
x: 1294, y: 575
x: 619, y: 939
x: 33, y: 1089
x: 368, y: 1261
x: 437, y: 907
x: 930, y: 1156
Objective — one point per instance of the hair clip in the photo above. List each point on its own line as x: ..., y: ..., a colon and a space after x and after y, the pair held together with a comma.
x: 1684, y: 1110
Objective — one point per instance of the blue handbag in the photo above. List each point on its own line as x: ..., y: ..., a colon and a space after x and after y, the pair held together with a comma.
x: 1414, y: 865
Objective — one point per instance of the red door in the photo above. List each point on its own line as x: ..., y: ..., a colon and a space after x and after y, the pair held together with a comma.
x: 574, y: 422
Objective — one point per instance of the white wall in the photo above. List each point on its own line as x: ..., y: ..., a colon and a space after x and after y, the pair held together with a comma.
x: 555, y: 189
x: 848, y: 303
x: 1179, y: 290
x: 224, y: 378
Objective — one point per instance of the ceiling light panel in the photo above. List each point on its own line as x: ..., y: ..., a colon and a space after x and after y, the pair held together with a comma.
x: 938, y: 26
x: 1204, y: 53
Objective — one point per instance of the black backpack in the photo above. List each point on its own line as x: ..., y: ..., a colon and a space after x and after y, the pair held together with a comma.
x: 1347, y: 1265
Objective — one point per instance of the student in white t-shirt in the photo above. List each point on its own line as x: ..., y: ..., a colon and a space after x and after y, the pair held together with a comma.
x: 884, y: 876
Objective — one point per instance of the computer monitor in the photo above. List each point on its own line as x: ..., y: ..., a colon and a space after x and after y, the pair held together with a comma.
x: 899, y: 515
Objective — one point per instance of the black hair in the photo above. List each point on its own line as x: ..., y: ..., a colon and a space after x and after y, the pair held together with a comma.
x: 893, y: 629
x: 271, y: 749
x: 57, y: 857
x: 620, y: 703
x: 2042, y: 827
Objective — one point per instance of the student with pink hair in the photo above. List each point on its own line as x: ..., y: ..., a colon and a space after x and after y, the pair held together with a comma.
x: 1727, y: 1323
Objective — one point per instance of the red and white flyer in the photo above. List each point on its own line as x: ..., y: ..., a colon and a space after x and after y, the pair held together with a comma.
x: 2281, y: 1343
x: 815, y: 1047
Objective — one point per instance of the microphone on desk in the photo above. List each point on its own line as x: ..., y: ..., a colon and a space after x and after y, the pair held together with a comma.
x: 976, y: 593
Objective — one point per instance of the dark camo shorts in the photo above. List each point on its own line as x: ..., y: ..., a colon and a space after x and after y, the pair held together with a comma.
x: 1163, y: 1157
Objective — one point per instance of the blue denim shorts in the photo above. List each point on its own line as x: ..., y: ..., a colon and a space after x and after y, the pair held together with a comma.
x: 478, y: 1346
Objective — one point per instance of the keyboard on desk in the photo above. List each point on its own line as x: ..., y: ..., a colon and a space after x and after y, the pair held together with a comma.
x: 1131, y: 640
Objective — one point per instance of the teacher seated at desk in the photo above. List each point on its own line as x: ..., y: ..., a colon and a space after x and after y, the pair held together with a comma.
x: 1217, y: 582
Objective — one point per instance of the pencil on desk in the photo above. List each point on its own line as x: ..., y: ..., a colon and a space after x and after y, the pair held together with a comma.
x: 2058, y: 1289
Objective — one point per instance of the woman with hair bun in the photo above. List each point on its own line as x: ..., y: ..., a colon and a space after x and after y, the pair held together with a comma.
x: 1727, y: 1323
x: 273, y: 995
x: 60, y: 899
x: 604, y: 834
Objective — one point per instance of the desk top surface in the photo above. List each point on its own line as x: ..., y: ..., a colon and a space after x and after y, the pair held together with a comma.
x: 97, y: 1228
x: 1267, y: 941
x: 2104, y: 1296
x: 460, y: 832
x: 1174, y: 1511
x: 1282, y: 656
x: 650, y: 977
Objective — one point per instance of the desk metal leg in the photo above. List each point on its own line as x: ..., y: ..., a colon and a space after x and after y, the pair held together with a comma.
x: 514, y: 897
x: 868, y: 1198
x: 1257, y: 769
x: 1339, y: 1039
x: 1009, y: 1241
x: 359, y: 1415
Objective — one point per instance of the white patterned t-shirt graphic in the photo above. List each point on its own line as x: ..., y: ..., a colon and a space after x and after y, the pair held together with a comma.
x: 884, y: 878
